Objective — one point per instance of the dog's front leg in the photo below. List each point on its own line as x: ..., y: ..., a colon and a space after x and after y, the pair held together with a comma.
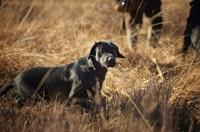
x: 85, y: 103
x: 71, y: 93
x: 74, y: 99
x: 76, y: 86
x: 98, y: 102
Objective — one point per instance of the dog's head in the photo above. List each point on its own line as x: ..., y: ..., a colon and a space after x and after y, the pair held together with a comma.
x: 105, y: 53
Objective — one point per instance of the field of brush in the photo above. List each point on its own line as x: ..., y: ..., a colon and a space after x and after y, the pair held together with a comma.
x: 139, y: 99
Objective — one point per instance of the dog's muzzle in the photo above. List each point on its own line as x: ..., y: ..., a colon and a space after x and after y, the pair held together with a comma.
x: 111, y: 62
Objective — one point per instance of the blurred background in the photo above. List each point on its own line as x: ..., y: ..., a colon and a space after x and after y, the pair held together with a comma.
x: 57, y: 32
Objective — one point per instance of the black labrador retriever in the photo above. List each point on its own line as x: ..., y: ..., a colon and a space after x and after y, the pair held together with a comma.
x: 66, y: 82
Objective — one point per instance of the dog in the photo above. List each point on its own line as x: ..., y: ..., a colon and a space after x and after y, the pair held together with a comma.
x: 65, y: 82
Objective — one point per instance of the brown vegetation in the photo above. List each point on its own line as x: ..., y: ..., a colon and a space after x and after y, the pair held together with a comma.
x: 56, y: 32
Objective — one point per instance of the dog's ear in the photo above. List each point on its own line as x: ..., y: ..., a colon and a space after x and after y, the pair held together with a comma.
x: 119, y: 55
x: 93, y: 50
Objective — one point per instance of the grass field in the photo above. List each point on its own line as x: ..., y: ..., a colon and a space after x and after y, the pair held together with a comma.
x: 56, y: 32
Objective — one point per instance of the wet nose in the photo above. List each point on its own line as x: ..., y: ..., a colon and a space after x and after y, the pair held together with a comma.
x: 111, y: 59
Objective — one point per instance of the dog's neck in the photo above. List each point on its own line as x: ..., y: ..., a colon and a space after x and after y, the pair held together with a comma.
x: 101, y: 71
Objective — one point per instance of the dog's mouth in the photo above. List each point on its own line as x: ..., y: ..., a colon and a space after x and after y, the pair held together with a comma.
x: 111, y: 65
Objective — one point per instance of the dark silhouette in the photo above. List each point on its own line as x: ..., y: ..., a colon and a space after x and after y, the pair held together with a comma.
x: 136, y: 8
x: 193, y: 21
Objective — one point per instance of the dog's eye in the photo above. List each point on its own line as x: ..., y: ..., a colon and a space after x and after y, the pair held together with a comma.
x: 103, y: 50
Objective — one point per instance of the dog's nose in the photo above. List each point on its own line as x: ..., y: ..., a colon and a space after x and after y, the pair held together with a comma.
x: 111, y: 59
x: 111, y: 62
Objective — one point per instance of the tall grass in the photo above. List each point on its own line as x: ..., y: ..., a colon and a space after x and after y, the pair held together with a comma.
x: 54, y: 33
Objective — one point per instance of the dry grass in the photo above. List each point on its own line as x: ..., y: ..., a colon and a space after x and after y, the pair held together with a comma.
x: 56, y: 32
